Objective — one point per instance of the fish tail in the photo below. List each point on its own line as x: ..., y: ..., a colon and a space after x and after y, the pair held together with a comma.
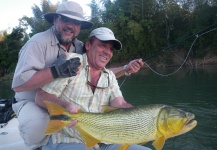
x: 54, y: 109
x: 55, y: 126
x: 59, y: 118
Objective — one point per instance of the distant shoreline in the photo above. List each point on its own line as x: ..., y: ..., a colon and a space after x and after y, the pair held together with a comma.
x: 208, y: 61
x: 190, y: 63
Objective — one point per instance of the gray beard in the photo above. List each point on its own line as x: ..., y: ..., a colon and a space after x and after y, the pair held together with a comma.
x: 62, y: 39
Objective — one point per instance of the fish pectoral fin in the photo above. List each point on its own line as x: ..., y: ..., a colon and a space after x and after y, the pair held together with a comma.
x: 159, y: 143
x: 54, y: 126
x: 124, y: 147
x: 89, y: 139
x: 108, y: 108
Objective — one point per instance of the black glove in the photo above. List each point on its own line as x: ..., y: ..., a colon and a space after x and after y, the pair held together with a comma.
x: 63, y: 68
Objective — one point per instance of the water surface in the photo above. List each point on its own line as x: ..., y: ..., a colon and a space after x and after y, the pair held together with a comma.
x: 190, y: 90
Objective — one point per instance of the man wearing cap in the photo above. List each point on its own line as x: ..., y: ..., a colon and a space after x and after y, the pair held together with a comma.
x: 92, y: 88
x: 43, y: 59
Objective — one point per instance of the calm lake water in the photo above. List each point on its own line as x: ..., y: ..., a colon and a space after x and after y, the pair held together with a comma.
x: 190, y: 90
x: 194, y: 91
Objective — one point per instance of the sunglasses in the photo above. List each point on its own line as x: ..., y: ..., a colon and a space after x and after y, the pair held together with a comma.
x: 69, y: 20
x: 90, y: 84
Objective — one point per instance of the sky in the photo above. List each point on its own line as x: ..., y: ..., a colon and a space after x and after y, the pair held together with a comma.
x: 12, y: 10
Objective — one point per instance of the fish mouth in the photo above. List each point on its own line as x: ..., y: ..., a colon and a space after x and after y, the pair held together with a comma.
x: 190, y: 124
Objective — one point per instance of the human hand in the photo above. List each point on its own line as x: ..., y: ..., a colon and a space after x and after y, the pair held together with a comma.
x: 73, y: 123
x: 134, y: 66
x: 63, y: 68
x: 72, y: 109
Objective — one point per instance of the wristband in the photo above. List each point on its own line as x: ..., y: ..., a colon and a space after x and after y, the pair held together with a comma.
x: 54, y: 72
x: 126, y: 73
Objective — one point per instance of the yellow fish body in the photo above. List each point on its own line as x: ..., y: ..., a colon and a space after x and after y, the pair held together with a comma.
x: 136, y: 125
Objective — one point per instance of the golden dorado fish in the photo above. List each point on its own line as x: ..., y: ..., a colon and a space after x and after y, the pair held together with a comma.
x: 125, y: 126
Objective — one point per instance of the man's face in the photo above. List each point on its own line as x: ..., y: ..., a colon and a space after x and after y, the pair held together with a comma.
x: 66, y: 29
x: 99, y: 53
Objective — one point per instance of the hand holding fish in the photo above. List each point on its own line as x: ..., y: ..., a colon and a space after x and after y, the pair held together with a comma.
x: 72, y: 109
x: 73, y: 123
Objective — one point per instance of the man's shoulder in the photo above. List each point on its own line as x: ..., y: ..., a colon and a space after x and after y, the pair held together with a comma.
x: 78, y: 42
x: 42, y: 36
x: 78, y: 46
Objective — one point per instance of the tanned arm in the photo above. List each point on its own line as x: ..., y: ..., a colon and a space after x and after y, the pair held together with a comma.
x: 39, y: 79
x: 119, y: 102
x: 133, y: 67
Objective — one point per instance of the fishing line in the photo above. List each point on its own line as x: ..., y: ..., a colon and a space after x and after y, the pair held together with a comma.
x: 184, y: 61
x: 180, y: 41
x: 165, y: 75
x: 123, y: 81
x: 197, y: 35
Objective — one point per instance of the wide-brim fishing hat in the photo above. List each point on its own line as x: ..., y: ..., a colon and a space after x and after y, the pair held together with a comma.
x: 105, y: 34
x: 71, y: 10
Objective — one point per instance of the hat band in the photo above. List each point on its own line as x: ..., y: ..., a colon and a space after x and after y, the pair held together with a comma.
x: 71, y: 13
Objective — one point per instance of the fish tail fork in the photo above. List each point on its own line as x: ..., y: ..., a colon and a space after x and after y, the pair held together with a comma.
x: 59, y: 118
x: 55, y: 126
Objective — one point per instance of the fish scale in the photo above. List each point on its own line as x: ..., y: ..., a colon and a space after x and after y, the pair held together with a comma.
x: 106, y: 126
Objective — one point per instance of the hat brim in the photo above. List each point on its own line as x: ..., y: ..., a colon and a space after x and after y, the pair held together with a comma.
x: 117, y: 44
x: 84, y: 23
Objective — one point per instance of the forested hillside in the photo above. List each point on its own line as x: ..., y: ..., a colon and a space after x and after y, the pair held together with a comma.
x: 157, y: 30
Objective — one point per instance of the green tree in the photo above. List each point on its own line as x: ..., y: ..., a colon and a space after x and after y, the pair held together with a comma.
x: 37, y: 23
x: 147, y: 26
x: 9, y: 49
x: 143, y: 26
x: 204, y: 16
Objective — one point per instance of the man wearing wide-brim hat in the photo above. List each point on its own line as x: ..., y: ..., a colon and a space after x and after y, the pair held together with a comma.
x: 43, y: 59
x: 71, y: 10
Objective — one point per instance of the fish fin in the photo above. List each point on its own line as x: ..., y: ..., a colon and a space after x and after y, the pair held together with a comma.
x: 89, y: 139
x: 54, y: 109
x: 108, y: 108
x: 159, y: 143
x: 54, y: 126
x: 124, y: 147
